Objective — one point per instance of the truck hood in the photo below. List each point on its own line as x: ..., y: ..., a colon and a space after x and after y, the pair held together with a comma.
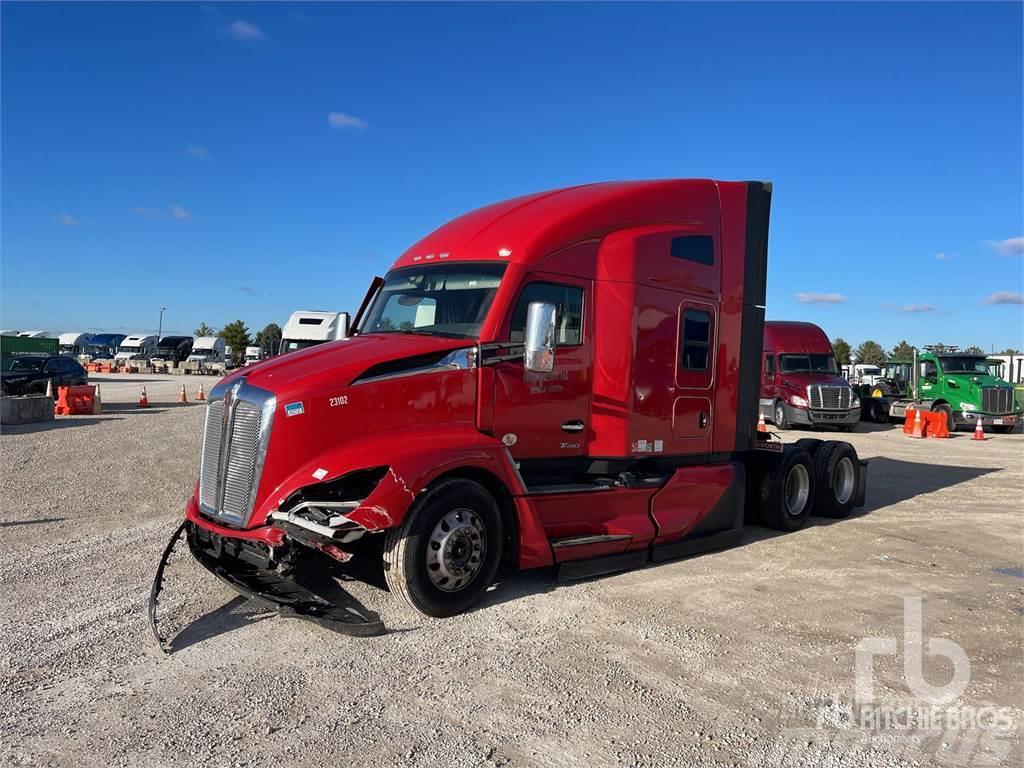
x: 802, y: 380
x: 336, y: 364
x: 334, y: 397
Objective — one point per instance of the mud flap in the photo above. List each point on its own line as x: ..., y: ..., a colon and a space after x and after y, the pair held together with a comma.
x: 286, y: 597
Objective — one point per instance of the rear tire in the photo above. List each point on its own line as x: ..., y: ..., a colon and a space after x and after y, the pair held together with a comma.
x: 809, y: 444
x: 836, y: 476
x: 779, y: 415
x: 945, y: 409
x: 787, y: 491
x: 446, y: 553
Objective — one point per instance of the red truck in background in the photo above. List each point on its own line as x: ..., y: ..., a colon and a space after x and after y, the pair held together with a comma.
x: 567, y: 378
x: 800, y: 380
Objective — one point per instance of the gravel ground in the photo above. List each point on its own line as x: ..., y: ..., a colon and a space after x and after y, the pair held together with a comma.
x: 742, y: 657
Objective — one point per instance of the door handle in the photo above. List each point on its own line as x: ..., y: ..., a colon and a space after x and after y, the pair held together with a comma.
x: 573, y: 426
x: 702, y: 420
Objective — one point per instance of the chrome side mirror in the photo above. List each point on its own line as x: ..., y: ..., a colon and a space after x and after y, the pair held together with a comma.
x: 539, y: 347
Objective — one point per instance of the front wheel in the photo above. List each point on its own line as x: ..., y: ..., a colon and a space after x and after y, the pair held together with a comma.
x: 948, y: 412
x: 446, y: 553
x: 779, y: 415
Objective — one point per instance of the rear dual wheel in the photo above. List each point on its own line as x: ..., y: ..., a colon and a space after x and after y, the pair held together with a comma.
x: 446, y: 553
x: 819, y: 477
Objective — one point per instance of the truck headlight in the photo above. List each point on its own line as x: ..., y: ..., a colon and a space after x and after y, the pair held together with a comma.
x: 797, y: 401
x: 968, y: 407
x: 854, y: 402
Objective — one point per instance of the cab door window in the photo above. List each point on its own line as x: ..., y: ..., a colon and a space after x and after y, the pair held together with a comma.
x: 568, y: 301
x: 769, y: 366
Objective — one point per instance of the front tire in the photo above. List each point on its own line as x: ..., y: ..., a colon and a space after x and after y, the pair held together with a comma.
x: 945, y: 409
x: 779, y: 415
x: 446, y: 553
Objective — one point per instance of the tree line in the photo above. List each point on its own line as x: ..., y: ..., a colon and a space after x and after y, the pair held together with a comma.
x: 237, y: 336
x: 872, y: 353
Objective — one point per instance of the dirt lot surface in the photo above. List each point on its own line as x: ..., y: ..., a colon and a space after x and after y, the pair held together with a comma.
x: 741, y: 657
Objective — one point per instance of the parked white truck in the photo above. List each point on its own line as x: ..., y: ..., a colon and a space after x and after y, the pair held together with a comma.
x: 207, y: 349
x: 73, y: 343
x: 308, y: 328
x: 138, y: 346
x: 253, y: 355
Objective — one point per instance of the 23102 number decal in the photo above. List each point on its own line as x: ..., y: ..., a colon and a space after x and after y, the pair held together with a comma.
x: 339, y: 400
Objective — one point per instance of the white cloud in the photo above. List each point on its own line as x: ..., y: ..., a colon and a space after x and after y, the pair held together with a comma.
x: 197, y: 151
x: 1005, y: 297
x: 341, y: 120
x: 915, y: 308
x: 172, y: 211
x: 820, y: 298
x: 942, y: 256
x: 243, y: 30
x: 66, y: 219
x: 1011, y: 246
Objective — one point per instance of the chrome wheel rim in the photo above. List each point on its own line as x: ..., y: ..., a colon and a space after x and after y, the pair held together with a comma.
x: 455, y: 551
x: 844, y: 482
x: 780, y: 415
x: 798, y: 488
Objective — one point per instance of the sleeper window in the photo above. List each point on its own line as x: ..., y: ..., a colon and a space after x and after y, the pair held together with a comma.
x: 568, y: 301
x: 695, y: 340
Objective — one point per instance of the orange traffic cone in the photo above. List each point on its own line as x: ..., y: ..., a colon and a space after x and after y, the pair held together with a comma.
x: 143, y: 400
x: 979, y: 431
x: 918, y: 430
x: 181, y: 395
x: 201, y: 395
x: 97, y: 404
x: 761, y: 426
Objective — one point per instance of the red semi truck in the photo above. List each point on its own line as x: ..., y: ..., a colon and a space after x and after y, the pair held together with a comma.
x: 568, y: 378
x: 800, y: 380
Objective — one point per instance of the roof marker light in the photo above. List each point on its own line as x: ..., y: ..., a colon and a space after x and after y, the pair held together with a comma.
x: 429, y: 256
x: 504, y: 252
x: 442, y: 255
x: 417, y: 258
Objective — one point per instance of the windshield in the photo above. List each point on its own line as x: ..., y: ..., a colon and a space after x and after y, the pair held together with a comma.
x: 22, y: 364
x: 964, y: 364
x: 124, y: 348
x: 808, y: 364
x: 442, y: 300
x: 290, y: 345
x: 898, y: 371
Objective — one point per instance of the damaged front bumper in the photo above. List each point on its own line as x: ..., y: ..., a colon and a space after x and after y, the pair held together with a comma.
x: 263, y: 564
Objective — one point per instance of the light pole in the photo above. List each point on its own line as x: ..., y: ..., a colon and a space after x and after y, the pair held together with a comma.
x: 160, y: 327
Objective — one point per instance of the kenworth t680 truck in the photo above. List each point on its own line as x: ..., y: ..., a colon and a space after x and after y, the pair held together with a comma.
x: 568, y: 378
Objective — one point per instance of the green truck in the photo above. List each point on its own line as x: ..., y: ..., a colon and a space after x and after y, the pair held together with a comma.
x: 958, y: 384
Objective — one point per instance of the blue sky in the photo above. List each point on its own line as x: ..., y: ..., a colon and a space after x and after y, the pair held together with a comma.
x: 245, y: 160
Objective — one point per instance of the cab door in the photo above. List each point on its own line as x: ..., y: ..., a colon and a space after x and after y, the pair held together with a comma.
x: 546, y: 415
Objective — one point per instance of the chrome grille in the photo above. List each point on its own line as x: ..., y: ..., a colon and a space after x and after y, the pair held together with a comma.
x: 829, y: 398
x: 234, y: 444
x: 996, y: 400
